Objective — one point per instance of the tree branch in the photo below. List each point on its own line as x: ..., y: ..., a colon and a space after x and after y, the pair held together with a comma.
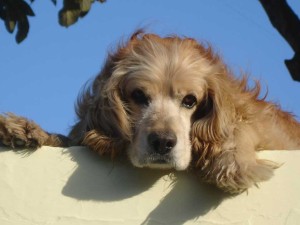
x: 287, y: 23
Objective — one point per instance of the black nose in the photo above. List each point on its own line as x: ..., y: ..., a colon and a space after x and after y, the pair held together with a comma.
x: 162, y: 142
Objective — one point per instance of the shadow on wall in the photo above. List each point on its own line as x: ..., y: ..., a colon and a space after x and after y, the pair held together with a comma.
x: 187, y: 200
x: 98, y: 179
x: 101, y: 179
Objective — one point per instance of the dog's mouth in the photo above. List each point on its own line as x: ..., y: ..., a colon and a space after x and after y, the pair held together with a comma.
x: 156, y: 158
x: 158, y: 161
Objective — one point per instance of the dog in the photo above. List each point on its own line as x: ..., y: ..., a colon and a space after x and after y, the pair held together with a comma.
x: 172, y: 103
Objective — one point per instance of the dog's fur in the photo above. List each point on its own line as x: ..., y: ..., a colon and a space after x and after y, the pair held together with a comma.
x: 172, y: 103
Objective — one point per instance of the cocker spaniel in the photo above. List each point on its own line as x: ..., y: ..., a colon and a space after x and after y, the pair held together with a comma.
x: 172, y: 103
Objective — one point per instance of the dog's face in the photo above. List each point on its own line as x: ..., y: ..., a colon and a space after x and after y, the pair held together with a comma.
x: 156, y: 96
x: 161, y: 105
x: 163, y: 84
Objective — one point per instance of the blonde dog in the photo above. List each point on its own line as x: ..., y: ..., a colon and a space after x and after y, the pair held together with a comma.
x: 172, y: 103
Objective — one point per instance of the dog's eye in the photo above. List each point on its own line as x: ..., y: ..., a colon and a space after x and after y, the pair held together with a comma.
x: 139, y: 97
x: 189, y: 101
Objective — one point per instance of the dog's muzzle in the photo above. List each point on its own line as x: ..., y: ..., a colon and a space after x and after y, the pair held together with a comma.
x: 161, y: 144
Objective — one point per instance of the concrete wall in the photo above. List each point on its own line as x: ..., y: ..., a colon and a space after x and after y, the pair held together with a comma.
x: 75, y: 186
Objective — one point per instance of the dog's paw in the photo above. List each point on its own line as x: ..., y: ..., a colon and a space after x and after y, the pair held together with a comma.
x: 262, y: 170
x: 19, y: 132
x: 245, y: 176
x: 234, y: 175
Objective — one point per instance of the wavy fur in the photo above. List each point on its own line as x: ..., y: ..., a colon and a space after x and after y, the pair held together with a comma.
x: 140, y: 93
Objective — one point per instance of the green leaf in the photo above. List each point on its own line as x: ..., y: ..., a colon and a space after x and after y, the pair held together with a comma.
x: 10, y: 25
x: 68, y: 17
x: 25, y: 8
x: 83, y: 14
x: 85, y: 5
x: 23, y: 28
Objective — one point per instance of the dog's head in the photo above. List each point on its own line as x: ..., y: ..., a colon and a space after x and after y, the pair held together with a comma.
x: 159, y: 98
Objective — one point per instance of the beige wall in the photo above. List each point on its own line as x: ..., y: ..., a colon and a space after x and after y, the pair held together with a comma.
x: 75, y: 186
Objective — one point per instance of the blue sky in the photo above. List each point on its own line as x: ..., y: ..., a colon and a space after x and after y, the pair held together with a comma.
x: 41, y: 77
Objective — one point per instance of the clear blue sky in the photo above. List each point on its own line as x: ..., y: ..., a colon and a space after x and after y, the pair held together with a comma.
x: 41, y: 77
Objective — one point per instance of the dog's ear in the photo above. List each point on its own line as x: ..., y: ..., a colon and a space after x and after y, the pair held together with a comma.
x: 102, y: 112
x: 101, y: 108
x: 212, y: 120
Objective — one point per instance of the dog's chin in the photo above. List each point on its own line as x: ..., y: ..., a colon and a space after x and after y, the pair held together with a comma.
x: 154, y: 161
x: 158, y: 162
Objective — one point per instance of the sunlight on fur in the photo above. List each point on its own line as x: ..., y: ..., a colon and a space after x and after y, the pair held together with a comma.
x: 172, y: 103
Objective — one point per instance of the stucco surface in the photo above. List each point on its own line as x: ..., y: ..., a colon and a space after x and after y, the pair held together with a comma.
x: 76, y: 186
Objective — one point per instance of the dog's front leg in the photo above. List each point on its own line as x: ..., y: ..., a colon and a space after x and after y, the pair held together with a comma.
x: 19, y: 132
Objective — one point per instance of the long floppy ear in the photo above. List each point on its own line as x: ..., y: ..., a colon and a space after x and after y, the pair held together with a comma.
x: 104, y: 124
x: 213, y: 119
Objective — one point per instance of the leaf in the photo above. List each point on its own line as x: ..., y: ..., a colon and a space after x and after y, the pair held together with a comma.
x: 83, y: 14
x: 2, y: 13
x: 54, y: 2
x: 85, y: 5
x: 23, y: 6
x: 72, y: 10
x: 10, y: 25
x: 23, y: 28
x: 68, y: 17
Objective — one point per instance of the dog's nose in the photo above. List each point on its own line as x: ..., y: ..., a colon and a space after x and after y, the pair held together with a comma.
x: 162, y: 142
